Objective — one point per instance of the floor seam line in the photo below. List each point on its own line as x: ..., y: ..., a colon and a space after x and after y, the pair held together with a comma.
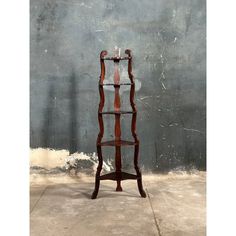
x: 41, y: 195
x: 155, y: 220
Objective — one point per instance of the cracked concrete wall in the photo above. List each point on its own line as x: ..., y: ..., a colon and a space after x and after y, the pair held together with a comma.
x: 168, y: 40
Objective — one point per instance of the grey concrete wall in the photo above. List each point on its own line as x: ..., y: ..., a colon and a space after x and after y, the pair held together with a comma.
x: 168, y: 40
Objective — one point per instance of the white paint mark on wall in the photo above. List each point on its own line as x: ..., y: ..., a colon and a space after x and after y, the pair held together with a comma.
x: 100, y: 40
x: 82, y: 4
x: 174, y: 14
x: 163, y: 86
x: 144, y: 103
x: 193, y: 130
x: 163, y: 64
x: 49, y: 159
x: 145, y: 97
x: 72, y: 160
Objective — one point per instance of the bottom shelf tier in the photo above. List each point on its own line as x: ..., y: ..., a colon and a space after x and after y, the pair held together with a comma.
x: 114, y: 176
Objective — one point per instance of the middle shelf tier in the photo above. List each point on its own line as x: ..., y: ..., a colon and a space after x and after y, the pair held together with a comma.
x: 116, y: 112
x: 113, y: 84
x: 117, y: 143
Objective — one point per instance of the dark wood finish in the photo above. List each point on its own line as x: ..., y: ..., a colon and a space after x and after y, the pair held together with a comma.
x: 116, y: 58
x: 113, y: 176
x: 117, y: 112
x: 118, y: 175
x: 112, y: 84
x: 117, y: 143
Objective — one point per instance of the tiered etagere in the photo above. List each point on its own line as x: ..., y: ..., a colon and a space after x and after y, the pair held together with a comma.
x: 118, y: 175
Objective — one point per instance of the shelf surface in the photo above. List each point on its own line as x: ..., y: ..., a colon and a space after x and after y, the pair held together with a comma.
x: 116, y: 58
x: 117, y: 112
x: 112, y: 84
x: 117, y: 143
x: 122, y: 176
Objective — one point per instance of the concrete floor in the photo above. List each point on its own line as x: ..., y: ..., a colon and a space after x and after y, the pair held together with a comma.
x: 175, y: 206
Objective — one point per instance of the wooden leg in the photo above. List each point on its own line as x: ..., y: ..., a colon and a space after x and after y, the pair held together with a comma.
x: 118, y: 169
x: 139, y: 175
x: 99, y: 168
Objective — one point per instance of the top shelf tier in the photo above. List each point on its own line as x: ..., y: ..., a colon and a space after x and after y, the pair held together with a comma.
x: 116, y: 58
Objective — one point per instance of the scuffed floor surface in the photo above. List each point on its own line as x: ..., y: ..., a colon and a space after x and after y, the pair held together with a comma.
x: 61, y: 206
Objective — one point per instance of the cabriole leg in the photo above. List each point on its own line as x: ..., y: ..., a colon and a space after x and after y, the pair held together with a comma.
x: 139, y: 174
x: 99, y: 168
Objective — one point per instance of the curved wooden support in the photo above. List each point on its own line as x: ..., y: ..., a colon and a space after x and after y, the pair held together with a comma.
x: 131, y: 97
x: 102, y: 96
x: 101, y: 125
x: 128, y: 52
x: 133, y: 125
x: 102, y: 55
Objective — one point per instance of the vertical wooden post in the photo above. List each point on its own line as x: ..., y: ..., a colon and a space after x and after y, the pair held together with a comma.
x: 117, y: 125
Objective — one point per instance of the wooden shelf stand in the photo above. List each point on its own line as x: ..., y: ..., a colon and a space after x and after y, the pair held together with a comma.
x: 118, y: 175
